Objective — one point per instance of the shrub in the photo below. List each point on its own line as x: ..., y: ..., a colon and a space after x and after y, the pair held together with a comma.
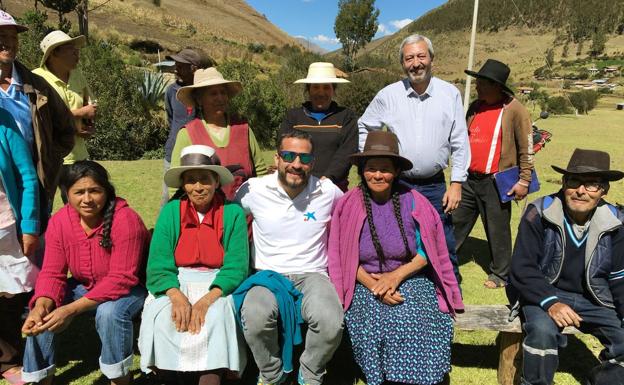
x: 262, y: 101
x: 584, y: 101
x: 364, y: 85
x: 125, y: 129
x: 558, y: 105
x: 153, y: 89
x: 29, y: 52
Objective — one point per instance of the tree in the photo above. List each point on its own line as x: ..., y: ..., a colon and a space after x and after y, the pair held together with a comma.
x: 62, y: 7
x: 598, y: 44
x: 550, y: 58
x: 355, y: 25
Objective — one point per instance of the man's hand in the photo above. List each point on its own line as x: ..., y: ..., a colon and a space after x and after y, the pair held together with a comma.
x: 518, y: 191
x: 180, y: 309
x: 29, y: 244
x: 563, y: 315
x: 452, y: 197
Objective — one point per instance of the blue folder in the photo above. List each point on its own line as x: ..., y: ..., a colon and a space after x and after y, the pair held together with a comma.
x: 506, y: 179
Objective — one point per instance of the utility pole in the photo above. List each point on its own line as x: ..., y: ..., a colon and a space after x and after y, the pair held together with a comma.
x: 473, y: 37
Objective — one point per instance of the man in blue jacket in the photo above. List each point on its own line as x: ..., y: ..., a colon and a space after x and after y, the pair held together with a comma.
x: 568, y: 266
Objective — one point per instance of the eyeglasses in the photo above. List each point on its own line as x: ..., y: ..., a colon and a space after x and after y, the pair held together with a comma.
x: 290, y: 156
x: 590, y: 186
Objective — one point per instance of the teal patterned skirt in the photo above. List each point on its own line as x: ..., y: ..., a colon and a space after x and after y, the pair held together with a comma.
x: 408, y: 343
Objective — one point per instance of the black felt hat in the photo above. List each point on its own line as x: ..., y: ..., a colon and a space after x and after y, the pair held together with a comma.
x: 590, y: 162
x: 494, y: 71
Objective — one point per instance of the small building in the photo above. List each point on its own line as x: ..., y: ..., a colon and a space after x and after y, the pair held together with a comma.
x: 525, y: 90
x: 610, y: 69
x: 619, y: 106
x: 600, y: 81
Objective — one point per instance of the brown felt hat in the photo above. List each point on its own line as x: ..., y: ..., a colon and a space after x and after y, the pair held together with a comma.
x: 381, y: 144
x: 590, y: 162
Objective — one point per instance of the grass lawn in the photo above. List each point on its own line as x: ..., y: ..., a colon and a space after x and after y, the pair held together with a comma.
x: 475, y: 355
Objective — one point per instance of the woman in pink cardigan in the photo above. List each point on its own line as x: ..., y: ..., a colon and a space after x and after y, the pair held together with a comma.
x: 102, y: 242
x: 389, y: 263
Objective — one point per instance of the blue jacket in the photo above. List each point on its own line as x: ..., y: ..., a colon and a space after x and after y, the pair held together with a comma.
x: 19, y: 176
x: 539, y: 254
x: 289, y: 305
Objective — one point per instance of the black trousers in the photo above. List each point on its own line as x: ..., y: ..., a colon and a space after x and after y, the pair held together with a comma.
x: 11, y: 342
x: 480, y: 198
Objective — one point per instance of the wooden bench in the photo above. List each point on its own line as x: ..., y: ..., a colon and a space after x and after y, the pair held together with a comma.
x: 495, y: 318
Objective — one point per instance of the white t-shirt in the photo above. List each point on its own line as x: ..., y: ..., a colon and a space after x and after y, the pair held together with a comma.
x: 290, y: 235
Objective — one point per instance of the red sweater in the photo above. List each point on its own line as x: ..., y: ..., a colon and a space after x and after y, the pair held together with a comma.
x: 106, y: 274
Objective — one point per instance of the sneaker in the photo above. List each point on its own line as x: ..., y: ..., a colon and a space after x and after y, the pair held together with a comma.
x: 281, y: 380
x: 300, y: 379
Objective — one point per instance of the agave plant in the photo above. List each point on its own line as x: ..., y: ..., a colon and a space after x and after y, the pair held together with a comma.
x: 153, y: 89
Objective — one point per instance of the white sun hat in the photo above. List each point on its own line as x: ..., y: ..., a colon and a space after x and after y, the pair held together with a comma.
x: 57, y: 38
x: 320, y: 72
x: 197, y: 157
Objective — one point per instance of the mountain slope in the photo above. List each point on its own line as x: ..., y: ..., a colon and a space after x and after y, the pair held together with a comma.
x: 221, y: 28
x: 515, y: 32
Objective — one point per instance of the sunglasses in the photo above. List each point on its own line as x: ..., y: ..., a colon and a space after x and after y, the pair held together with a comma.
x: 590, y: 186
x: 290, y: 156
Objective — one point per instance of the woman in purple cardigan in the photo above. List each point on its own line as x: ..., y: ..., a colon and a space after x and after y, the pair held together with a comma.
x: 389, y: 263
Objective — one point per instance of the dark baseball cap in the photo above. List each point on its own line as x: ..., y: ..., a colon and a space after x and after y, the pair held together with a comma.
x: 187, y: 56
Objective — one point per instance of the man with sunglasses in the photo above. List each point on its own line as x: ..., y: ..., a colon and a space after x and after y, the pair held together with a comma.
x: 568, y: 266
x: 291, y: 211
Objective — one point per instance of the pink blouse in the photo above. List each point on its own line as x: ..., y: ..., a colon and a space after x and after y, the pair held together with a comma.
x: 106, y: 274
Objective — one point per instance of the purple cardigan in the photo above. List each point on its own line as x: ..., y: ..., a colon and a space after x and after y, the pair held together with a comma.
x: 343, y: 250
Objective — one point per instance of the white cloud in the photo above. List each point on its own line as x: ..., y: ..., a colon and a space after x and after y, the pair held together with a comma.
x: 398, y: 24
x: 383, y: 29
x: 301, y: 37
x: 325, y: 39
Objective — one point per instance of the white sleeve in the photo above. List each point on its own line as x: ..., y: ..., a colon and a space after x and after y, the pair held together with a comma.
x: 243, y: 197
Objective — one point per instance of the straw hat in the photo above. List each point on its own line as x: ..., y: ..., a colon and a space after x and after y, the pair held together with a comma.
x: 57, y: 38
x: 321, y: 73
x: 197, y: 157
x: 381, y: 144
x: 206, y: 78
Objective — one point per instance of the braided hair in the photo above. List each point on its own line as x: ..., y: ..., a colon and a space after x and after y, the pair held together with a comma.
x: 396, y: 204
x: 95, y: 171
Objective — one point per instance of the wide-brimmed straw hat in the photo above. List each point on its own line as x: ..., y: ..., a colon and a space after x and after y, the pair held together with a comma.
x: 7, y: 20
x: 381, y: 144
x: 320, y: 73
x: 197, y: 157
x: 58, y: 38
x: 591, y: 163
x: 206, y: 78
x: 494, y: 71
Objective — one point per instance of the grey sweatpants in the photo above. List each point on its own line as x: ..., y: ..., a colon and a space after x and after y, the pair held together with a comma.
x: 321, y: 311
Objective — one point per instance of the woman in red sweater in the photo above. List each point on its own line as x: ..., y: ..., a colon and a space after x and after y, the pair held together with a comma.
x: 102, y: 242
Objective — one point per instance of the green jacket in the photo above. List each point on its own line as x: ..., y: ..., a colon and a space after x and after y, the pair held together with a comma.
x: 162, y: 272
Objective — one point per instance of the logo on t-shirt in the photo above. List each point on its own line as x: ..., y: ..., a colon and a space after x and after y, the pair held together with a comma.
x: 308, y: 216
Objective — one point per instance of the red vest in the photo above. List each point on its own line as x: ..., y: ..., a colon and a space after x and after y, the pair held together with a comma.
x: 235, y: 156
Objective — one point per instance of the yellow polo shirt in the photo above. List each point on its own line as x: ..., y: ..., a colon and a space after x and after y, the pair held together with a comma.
x: 74, y: 93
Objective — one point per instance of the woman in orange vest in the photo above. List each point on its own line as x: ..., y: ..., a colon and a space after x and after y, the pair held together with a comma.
x: 234, y: 141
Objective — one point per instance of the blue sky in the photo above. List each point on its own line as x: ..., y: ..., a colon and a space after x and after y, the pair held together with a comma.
x: 314, y: 19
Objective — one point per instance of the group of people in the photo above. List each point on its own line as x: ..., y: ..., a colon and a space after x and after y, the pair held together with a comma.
x: 246, y: 255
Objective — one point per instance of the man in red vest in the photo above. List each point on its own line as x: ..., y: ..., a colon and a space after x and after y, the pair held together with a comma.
x: 499, y: 130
